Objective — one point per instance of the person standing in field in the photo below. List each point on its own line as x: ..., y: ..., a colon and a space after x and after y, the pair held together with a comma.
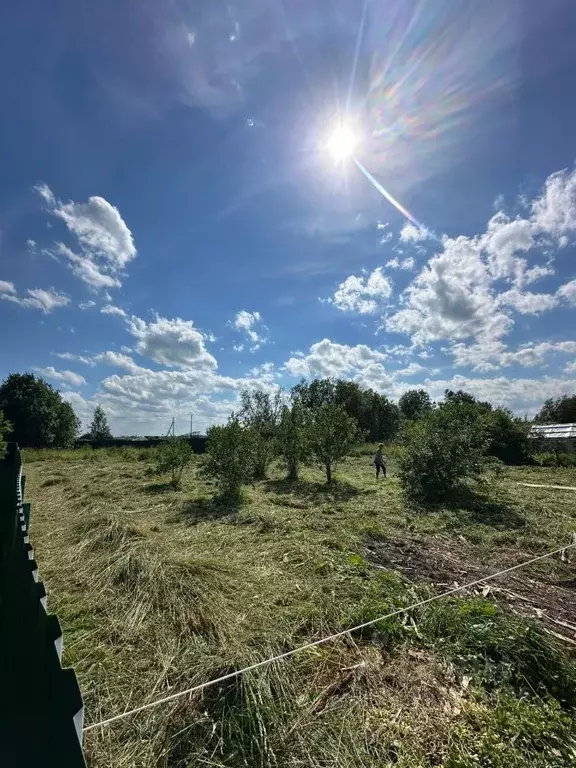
x: 380, y: 462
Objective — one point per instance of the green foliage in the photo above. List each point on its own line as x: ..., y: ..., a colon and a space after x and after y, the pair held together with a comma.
x: 560, y: 411
x: 5, y: 429
x: 230, y: 458
x: 291, y: 444
x: 559, y: 459
x: 172, y: 457
x: 509, y: 440
x: 514, y: 733
x: 37, y: 412
x: 415, y: 404
x: 441, y: 451
x: 260, y: 413
x: 99, y: 429
x: 499, y: 649
x: 330, y: 434
x: 373, y: 412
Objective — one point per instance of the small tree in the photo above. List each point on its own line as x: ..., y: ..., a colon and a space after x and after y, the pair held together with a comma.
x: 99, y: 429
x: 5, y: 429
x: 172, y: 457
x: 415, y: 404
x: 230, y: 458
x: 330, y: 434
x: 260, y: 413
x: 291, y: 444
x: 441, y: 451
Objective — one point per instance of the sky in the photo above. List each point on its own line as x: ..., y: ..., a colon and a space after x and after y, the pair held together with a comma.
x: 174, y: 226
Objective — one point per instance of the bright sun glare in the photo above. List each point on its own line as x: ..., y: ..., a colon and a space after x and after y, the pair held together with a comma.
x: 342, y: 142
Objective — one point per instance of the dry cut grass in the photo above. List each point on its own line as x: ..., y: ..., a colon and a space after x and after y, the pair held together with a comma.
x: 159, y: 589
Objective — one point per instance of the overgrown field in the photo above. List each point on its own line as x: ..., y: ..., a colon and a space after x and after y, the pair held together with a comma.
x: 159, y: 589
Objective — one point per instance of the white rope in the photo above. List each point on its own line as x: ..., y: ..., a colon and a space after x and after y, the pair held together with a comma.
x: 322, y: 640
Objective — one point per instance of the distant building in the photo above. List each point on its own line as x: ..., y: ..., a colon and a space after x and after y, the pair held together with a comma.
x: 560, y: 437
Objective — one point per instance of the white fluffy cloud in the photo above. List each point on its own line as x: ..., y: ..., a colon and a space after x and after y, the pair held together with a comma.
x: 252, y: 326
x: 451, y: 298
x: 36, y: 298
x: 364, y: 294
x: 555, y: 210
x: 110, y: 309
x: 396, y: 263
x: 410, y: 233
x: 494, y: 354
x: 567, y: 292
x: 66, y: 377
x: 175, y: 343
x: 327, y: 359
x: 105, y: 242
x: 528, y: 303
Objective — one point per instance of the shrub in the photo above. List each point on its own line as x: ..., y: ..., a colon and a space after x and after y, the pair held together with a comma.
x: 441, y: 451
x: 230, y: 458
x: 330, y: 434
x: 509, y: 439
x: 548, y: 459
x: 172, y: 457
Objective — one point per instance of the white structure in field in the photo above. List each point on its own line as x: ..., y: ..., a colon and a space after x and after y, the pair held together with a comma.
x: 561, y: 436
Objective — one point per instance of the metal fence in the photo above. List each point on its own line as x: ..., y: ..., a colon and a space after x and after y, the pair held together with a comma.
x: 41, y: 710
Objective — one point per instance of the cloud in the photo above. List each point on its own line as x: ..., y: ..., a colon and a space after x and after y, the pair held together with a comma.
x: 554, y: 211
x: 362, y: 294
x: 37, y: 298
x: 105, y: 242
x: 86, y: 304
x: 110, y: 309
x: 67, y: 377
x: 120, y: 360
x: 250, y: 323
x: 412, y: 234
x: 397, y: 263
x: 410, y: 370
x: 175, y: 343
x: 327, y: 359
x: 451, y: 298
x: 72, y: 356
x: 503, y: 240
x: 86, y: 270
x: 567, y: 292
x: 493, y: 354
x: 528, y: 303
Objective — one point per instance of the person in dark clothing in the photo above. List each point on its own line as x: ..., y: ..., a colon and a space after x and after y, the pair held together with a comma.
x: 380, y: 462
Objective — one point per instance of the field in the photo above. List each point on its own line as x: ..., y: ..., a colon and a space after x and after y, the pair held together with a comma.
x: 159, y: 589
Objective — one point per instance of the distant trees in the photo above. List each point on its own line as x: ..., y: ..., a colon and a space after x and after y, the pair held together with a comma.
x: 99, y: 429
x: 37, y: 412
x: 415, y: 404
x: 374, y: 413
x: 559, y: 411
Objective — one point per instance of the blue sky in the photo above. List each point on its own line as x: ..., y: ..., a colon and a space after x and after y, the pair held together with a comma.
x: 173, y: 227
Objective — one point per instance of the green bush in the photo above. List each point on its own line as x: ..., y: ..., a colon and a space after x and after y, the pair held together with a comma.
x: 229, y: 458
x: 172, y: 457
x: 548, y: 459
x: 330, y: 434
x: 441, y: 451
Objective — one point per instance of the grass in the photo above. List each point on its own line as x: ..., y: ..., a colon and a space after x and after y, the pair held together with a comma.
x: 158, y: 589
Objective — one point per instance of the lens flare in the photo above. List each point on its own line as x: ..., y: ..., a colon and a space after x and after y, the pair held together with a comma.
x: 342, y: 143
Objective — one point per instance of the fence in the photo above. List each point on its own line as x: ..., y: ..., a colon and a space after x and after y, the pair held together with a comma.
x: 198, y: 442
x: 41, y: 710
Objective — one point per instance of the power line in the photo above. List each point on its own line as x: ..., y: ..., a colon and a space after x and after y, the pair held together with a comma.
x: 322, y: 640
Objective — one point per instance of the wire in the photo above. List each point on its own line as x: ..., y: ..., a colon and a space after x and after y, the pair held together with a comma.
x: 322, y: 640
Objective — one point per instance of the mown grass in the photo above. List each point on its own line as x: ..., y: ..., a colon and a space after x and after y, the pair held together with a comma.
x: 159, y: 589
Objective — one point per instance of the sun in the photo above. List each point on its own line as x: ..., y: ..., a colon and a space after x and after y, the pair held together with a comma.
x: 342, y: 142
